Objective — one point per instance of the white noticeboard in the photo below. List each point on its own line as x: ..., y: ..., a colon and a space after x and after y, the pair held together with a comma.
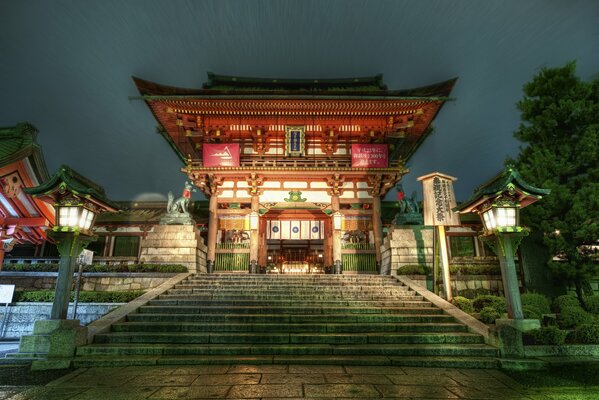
x: 86, y: 257
x: 439, y: 200
x: 6, y: 293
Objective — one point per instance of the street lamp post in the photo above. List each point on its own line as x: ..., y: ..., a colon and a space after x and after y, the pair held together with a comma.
x: 498, y: 204
x: 77, y: 201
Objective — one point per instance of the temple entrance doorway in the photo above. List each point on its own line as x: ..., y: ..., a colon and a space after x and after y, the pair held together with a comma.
x: 297, y: 241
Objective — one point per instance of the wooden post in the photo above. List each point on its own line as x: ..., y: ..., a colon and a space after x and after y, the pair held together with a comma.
x: 444, y: 258
x: 377, y: 228
x: 1, y: 258
x: 336, y: 236
x: 212, y: 231
x: 254, y: 239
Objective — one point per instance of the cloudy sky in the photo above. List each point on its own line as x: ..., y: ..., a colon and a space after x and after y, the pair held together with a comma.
x: 66, y: 67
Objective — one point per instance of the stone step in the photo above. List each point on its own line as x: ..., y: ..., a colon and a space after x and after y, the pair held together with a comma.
x: 431, y: 361
x: 273, y: 319
x: 420, y: 308
x: 291, y: 285
x: 288, y: 338
x: 290, y: 328
x: 287, y: 318
x: 298, y: 303
x: 467, y: 350
x: 267, y: 296
x: 439, y: 362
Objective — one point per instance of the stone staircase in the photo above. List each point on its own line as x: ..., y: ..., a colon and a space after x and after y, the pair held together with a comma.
x: 286, y: 319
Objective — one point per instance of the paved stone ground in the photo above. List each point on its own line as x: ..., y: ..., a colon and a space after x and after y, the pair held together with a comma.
x: 288, y: 382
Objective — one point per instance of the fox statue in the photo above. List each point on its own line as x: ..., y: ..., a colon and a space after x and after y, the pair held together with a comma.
x: 181, y: 204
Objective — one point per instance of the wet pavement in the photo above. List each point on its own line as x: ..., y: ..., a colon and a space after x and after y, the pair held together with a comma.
x: 287, y: 382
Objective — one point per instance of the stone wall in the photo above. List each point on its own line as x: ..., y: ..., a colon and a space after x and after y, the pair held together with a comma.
x: 22, y: 316
x: 175, y: 244
x: 407, y: 245
x: 90, y: 280
x: 492, y: 283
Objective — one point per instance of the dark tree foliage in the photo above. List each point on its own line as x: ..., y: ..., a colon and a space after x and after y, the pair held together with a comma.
x: 560, y: 128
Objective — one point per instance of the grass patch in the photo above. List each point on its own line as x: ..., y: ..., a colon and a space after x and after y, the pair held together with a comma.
x: 11, y: 375
x: 567, y: 376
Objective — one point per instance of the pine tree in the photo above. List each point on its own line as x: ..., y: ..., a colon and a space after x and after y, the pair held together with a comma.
x: 560, y: 128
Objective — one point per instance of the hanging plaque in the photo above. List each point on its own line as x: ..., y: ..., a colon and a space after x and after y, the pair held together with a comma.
x: 221, y: 155
x: 369, y: 156
x: 439, y: 199
x: 295, y: 141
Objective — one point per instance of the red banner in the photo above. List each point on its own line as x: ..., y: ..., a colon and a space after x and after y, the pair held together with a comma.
x: 369, y: 156
x: 221, y: 155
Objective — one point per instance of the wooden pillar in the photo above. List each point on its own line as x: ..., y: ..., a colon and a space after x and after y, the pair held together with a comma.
x: 1, y: 257
x: 377, y: 228
x: 212, y: 231
x: 263, y: 246
x: 336, y: 237
x: 254, y: 235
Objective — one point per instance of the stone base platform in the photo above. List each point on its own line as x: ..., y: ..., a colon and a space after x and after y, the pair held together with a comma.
x: 175, y: 244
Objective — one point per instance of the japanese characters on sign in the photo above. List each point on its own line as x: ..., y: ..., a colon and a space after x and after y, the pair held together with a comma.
x: 369, y: 156
x: 221, y: 155
x: 439, y: 199
x: 295, y: 140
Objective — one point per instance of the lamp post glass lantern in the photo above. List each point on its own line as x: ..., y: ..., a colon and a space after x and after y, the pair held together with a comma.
x: 501, y: 215
x: 74, y: 216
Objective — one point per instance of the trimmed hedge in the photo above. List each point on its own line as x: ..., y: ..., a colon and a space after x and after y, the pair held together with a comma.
x: 160, y: 268
x: 463, y: 304
x: 537, y: 301
x: 495, y: 302
x: 571, y: 317
x: 475, y: 269
x: 550, y: 335
x: 585, y: 334
x: 593, y: 304
x: 414, y: 270
x: 564, y: 301
x: 47, y: 296
x: 531, y: 312
x: 472, y: 293
x: 489, y: 314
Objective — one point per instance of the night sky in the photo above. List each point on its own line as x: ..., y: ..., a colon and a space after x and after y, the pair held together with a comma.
x: 66, y: 67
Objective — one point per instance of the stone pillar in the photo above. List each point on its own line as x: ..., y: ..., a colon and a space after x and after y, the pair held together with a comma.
x: 212, y: 231
x: 254, y: 237
x: 69, y: 246
x: 377, y: 228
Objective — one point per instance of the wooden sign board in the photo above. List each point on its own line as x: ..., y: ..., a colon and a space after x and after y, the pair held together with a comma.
x: 439, y: 200
x: 221, y: 155
x: 6, y: 293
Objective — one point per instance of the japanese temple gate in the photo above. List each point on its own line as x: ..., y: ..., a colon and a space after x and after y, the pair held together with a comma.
x: 294, y: 169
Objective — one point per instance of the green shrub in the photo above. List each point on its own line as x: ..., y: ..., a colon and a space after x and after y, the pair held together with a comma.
x: 586, y: 334
x: 489, y: 314
x: 537, y: 301
x: 593, y: 304
x: 496, y: 302
x: 472, y: 293
x: 47, y: 296
x: 161, y: 268
x: 463, y: 304
x: 571, y: 317
x: 531, y: 312
x: 475, y: 269
x: 30, y: 267
x: 550, y: 335
x: 414, y: 270
x: 564, y: 301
